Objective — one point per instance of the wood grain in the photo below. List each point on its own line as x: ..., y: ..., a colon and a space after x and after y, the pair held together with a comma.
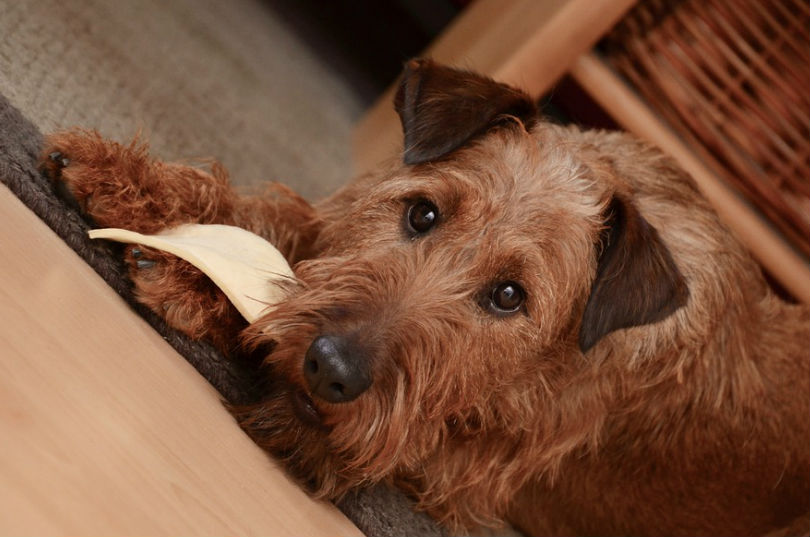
x: 105, y: 429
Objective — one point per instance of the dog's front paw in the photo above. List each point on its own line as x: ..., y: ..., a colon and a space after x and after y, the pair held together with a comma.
x: 184, y: 296
x: 51, y: 166
x: 120, y: 185
x: 102, y: 179
x: 84, y: 169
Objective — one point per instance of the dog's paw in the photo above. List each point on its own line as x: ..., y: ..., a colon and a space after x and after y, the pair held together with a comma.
x: 161, y: 279
x: 74, y: 163
x: 99, y: 178
x: 51, y: 166
x: 166, y: 284
x: 120, y: 185
x: 183, y: 295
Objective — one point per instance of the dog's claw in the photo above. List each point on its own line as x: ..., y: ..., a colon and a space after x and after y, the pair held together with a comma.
x: 57, y: 158
x: 145, y: 263
x: 136, y: 253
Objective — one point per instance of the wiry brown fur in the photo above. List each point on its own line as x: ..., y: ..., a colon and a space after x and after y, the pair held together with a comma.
x: 118, y: 185
x: 686, y: 414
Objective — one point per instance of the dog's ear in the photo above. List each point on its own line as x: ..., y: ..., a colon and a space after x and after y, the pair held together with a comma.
x: 637, y: 281
x: 442, y: 108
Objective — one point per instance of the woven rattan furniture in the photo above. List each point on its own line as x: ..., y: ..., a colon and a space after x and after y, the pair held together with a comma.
x: 731, y: 78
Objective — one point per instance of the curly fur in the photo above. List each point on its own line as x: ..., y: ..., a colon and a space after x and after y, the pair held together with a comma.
x: 650, y: 384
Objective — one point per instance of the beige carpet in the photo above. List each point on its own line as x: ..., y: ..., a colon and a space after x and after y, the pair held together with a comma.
x: 200, y: 78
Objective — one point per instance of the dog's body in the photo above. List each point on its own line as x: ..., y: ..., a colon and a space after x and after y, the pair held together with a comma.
x: 521, y: 321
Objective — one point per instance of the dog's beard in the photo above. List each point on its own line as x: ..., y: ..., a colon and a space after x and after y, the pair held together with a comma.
x: 328, y: 448
x: 301, y: 444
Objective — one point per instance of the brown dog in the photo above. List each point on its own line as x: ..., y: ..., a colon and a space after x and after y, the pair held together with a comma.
x: 518, y: 321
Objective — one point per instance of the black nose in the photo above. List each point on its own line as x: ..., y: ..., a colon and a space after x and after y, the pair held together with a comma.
x: 336, y: 371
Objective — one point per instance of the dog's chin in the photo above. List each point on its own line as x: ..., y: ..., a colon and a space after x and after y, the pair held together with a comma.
x: 306, y: 434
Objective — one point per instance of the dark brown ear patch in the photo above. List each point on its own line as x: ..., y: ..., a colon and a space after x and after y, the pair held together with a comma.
x: 637, y: 281
x: 442, y: 108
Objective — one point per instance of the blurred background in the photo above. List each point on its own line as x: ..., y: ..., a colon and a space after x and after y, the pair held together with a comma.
x: 299, y: 91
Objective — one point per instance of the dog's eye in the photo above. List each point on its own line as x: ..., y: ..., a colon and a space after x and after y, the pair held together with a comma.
x: 421, y: 217
x: 507, y: 297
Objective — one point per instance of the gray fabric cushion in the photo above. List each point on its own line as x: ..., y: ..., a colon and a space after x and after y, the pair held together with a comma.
x: 200, y: 78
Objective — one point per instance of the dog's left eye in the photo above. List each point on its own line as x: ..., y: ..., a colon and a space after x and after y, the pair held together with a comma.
x: 507, y: 297
x: 421, y: 217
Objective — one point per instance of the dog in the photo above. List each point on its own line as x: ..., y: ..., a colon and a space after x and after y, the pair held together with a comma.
x: 514, y: 321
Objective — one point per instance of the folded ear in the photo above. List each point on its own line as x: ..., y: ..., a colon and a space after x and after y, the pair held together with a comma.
x: 442, y: 108
x: 637, y: 281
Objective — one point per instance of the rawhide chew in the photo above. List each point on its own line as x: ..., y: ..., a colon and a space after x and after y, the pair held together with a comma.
x: 242, y: 264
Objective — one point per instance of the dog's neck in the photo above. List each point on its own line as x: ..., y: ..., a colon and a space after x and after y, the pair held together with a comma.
x: 720, y: 372
x: 661, y: 421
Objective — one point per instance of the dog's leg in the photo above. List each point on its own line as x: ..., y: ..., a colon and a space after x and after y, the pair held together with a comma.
x: 116, y: 185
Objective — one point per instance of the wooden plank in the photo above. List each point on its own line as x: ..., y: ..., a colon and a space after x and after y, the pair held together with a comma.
x: 526, y: 43
x: 105, y: 429
x: 769, y: 248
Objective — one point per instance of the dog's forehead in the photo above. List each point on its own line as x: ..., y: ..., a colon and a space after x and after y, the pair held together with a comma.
x: 519, y: 177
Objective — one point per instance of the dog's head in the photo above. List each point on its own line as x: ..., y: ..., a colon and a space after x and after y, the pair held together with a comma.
x: 455, y: 300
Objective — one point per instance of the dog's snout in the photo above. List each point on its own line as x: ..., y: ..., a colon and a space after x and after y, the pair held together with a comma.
x: 336, y: 370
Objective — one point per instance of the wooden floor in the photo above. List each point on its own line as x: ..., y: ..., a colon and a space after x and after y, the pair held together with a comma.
x: 105, y: 429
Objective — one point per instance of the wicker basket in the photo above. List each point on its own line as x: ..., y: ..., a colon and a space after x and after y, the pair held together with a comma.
x: 731, y: 77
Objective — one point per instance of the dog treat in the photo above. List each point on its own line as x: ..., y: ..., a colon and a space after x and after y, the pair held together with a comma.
x: 242, y: 264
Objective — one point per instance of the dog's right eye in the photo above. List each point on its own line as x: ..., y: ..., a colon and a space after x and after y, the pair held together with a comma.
x: 506, y: 298
x: 421, y: 217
